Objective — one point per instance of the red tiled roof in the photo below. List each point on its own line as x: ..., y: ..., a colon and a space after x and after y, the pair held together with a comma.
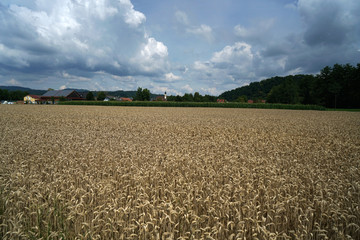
x: 125, y: 99
x: 34, y: 96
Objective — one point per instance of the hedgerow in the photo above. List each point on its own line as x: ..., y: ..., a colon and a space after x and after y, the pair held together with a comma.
x: 196, y: 104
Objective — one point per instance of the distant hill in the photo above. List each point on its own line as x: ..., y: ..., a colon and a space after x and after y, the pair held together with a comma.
x: 29, y: 90
x: 258, y: 90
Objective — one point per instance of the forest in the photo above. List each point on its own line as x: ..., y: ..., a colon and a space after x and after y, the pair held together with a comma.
x: 333, y: 87
x: 12, y: 95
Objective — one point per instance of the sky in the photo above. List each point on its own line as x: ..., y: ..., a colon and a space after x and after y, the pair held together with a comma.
x: 177, y: 46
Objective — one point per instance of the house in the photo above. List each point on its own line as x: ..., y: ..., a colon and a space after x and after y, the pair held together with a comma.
x: 220, y: 100
x: 160, y: 98
x: 123, y: 99
x: 83, y: 94
x: 56, y: 95
x: 250, y: 101
x: 34, y: 99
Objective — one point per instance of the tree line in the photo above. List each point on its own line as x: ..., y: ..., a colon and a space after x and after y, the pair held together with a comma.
x: 145, y: 95
x: 189, y: 97
x: 333, y: 87
x: 12, y: 95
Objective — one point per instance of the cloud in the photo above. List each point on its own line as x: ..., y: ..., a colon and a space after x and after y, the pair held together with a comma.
x: 78, y: 36
x: 13, y: 82
x: 152, y: 58
x: 211, y: 91
x: 203, y: 30
x: 109, y: 44
x: 231, y: 65
x: 162, y: 90
x: 132, y: 17
x: 328, y: 22
x: 329, y: 35
x: 171, y: 77
x: 292, y: 6
x: 182, y: 17
x: 239, y: 53
x: 256, y: 33
x: 187, y: 88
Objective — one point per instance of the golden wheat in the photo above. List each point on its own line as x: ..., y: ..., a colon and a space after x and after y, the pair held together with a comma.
x: 78, y: 172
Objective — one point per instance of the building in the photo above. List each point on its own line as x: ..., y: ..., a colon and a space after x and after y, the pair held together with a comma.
x: 123, y: 99
x: 34, y: 99
x: 57, y: 95
x: 160, y: 98
x: 220, y: 100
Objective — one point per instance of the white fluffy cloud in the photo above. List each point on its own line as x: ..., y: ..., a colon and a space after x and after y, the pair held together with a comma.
x: 202, y: 30
x: 81, y: 37
x: 187, y: 88
x: 239, y: 54
x: 235, y: 62
x: 171, y: 77
x: 152, y: 57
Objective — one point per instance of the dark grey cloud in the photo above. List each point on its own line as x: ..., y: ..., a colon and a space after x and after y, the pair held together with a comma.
x: 274, y: 50
x: 327, y: 22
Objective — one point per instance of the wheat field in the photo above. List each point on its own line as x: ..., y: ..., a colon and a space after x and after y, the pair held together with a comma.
x: 87, y: 172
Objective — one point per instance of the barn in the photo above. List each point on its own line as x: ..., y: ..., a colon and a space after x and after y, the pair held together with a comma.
x: 57, y: 95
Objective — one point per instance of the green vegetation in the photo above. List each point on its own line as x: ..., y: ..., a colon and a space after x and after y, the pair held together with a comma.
x: 336, y: 87
x: 12, y: 95
x: 90, y: 96
x: 196, y: 104
x: 142, y: 94
x: 101, y: 96
x: 189, y: 97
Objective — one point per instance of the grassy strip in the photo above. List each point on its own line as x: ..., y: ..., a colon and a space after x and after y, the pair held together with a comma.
x: 196, y: 104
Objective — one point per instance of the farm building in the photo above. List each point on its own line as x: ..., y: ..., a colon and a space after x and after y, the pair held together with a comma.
x: 125, y: 99
x: 56, y: 95
x: 32, y: 99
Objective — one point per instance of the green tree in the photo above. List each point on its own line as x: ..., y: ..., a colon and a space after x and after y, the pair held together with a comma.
x: 146, y: 94
x: 286, y: 92
x: 17, y: 95
x: 197, y: 97
x: 139, y: 95
x: 142, y: 94
x: 101, y: 96
x: 178, y: 98
x: 209, y: 98
x: 62, y: 99
x: 306, y: 89
x: 242, y: 98
x: 90, y: 96
x: 188, y: 97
